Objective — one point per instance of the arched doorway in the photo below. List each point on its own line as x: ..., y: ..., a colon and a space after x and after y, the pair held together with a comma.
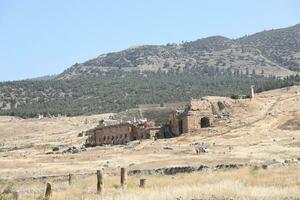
x: 180, y: 126
x: 204, y: 122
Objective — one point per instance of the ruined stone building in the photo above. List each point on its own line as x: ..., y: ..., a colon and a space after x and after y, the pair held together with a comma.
x: 120, y: 133
x: 198, y: 114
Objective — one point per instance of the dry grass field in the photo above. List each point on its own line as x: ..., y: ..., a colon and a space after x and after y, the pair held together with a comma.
x: 247, y: 183
x: 262, y: 131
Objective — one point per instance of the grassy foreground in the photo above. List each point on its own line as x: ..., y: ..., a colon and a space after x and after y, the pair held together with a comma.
x: 246, y: 183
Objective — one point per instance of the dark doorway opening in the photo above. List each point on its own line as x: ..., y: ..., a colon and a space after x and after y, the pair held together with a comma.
x: 180, y: 124
x: 204, y: 122
x: 167, y: 132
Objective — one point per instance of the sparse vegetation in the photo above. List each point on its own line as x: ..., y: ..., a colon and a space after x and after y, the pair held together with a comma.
x: 245, y: 183
x: 55, y: 148
x: 273, y: 52
x: 6, y: 190
x: 234, y: 96
x: 279, y: 45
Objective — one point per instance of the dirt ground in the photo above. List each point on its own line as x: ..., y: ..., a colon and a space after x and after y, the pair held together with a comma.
x: 263, y: 130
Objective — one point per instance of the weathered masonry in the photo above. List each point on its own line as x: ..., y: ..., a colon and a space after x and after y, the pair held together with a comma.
x: 198, y: 114
x: 120, y: 133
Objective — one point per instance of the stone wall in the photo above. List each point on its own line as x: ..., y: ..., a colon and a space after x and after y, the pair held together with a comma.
x: 198, y: 114
x: 202, y: 105
x: 199, y: 121
x: 117, y: 134
x: 179, y: 124
x: 174, y: 124
x: 140, y: 133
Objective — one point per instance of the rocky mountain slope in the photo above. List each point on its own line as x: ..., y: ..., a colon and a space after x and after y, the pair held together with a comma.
x: 274, y: 52
x: 282, y: 46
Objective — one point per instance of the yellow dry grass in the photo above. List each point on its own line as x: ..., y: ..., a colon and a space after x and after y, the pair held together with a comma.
x: 246, y: 183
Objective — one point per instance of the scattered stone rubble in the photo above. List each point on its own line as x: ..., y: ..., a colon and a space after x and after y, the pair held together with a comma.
x: 74, y: 149
x: 201, y: 148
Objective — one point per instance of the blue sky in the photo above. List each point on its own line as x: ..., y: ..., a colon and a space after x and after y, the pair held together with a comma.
x: 46, y: 37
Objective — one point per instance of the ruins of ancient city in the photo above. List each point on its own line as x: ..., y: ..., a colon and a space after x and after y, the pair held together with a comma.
x: 197, y: 115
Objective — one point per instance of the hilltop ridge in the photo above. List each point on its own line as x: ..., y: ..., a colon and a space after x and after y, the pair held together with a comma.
x: 273, y: 52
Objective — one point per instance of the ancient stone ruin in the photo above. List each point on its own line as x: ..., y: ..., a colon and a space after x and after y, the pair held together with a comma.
x: 197, y: 115
x: 120, y: 133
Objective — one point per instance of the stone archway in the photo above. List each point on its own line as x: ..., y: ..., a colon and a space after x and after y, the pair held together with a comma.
x: 205, y: 122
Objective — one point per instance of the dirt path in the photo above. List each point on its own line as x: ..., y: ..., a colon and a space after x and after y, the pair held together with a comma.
x: 268, y: 111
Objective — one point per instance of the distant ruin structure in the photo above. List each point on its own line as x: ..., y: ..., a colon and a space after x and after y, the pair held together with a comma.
x: 120, y: 133
x: 198, y: 115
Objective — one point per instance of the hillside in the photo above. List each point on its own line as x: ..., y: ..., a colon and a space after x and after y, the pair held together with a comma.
x: 282, y: 46
x: 119, y: 90
x: 274, y: 52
